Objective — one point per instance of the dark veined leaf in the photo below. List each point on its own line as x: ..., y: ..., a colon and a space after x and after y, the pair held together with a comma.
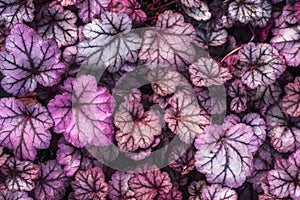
x: 283, y: 130
x: 261, y: 64
x: 57, y: 23
x: 170, y: 43
x: 290, y: 103
x: 118, y: 186
x: 185, y: 117
x: 207, y: 72
x: 225, y: 156
x: 24, y: 128
x: 291, y: 13
x: 287, y: 43
x: 16, y: 11
x: 174, y: 194
x: 70, y: 157
x: 9, y: 195
x: 163, y: 81
x: 191, y: 3
x: 131, y: 7
x: 254, y: 120
x: 90, y: 9
x: 195, y: 190
x: 198, y: 13
x: 138, y: 128
x: 147, y: 185
x: 245, y: 11
x: 66, y: 2
x: 109, y: 42
x: 263, y: 162
x: 51, y: 182
x: 238, y: 92
x: 266, y: 14
x: 216, y: 191
x: 182, y: 160
x: 20, y: 175
x: 83, y: 113
x: 90, y: 184
x: 211, y: 38
x: 266, y: 96
x: 29, y: 60
x: 284, y: 179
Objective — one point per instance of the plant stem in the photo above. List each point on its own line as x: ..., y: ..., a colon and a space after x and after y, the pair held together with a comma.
x: 232, y: 52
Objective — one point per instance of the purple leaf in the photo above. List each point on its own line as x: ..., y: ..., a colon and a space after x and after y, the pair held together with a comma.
x: 20, y: 175
x: 85, y: 115
x: 258, y: 125
x: 164, y: 81
x: 170, y: 44
x: 66, y: 2
x: 147, y: 185
x: 57, y: 23
x: 266, y: 96
x: 52, y: 182
x: 182, y: 160
x: 262, y: 64
x: 207, y: 72
x: 29, y: 60
x: 238, y: 92
x: 72, y: 158
x: 263, y: 162
x: 283, y: 130
x: 9, y: 195
x: 290, y: 103
x: 266, y: 14
x: 226, y: 156
x: 218, y: 99
x: 283, y: 180
x: 195, y: 190
x: 245, y: 11
x: 203, y: 97
x: 199, y: 13
x: 131, y: 7
x: 174, y: 194
x: 287, y: 43
x: 112, y: 32
x: 118, y: 186
x: 216, y: 191
x: 291, y: 13
x: 24, y: 128
x: 251, y: 119
x: 185, y: 118
x: 90, y: 9
x: 138, y: 128
x: 90, y: 184
x: 211, y: 38
x: 16, y: 11
x: 191, y: 3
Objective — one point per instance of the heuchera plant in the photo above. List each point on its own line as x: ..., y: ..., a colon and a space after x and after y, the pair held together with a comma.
x: 149, y: 100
